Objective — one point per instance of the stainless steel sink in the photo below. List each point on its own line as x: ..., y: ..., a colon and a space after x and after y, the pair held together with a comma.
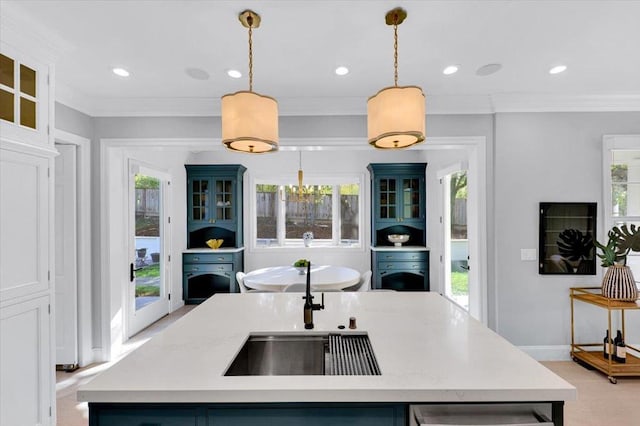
x: 296, y: 355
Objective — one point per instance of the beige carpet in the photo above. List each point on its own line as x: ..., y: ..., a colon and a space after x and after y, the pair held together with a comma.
x: 599, y: 403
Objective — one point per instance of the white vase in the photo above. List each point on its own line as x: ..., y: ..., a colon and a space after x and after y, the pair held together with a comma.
x: 618, y: 284
x: 307, y: 237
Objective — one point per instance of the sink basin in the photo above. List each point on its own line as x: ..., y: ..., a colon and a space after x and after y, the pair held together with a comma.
x: 280, y: 355
x: 305, y: 355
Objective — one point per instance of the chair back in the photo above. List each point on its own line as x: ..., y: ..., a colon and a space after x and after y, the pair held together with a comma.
x: 365, y: 281
x: 240, y: 279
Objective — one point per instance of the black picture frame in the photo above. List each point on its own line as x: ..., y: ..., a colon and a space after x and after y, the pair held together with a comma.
x: 567, y: 232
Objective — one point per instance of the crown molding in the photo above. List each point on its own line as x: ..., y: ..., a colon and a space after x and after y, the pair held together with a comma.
x: 436, y: 104
x: 521, y: 102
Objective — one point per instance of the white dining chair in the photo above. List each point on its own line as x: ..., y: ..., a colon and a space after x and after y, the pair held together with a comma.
x: 240, y: 279
x: 363, y: 285
x: 365, y: 281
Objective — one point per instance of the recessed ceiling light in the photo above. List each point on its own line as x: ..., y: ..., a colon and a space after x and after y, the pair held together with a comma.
x: 558, y: 69
x: 234, y: 73
x: 197, y: 73
x: 342, y: 70
x: 121, y: 72
x: 488, y: 69
x: 451, y: 69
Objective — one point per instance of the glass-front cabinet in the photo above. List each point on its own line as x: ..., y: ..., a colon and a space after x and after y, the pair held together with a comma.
x: 398, y: 199
x: 214, y: 204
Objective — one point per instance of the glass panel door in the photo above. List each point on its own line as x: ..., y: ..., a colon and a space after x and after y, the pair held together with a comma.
x: 456, y: 242
x: 148, y: 294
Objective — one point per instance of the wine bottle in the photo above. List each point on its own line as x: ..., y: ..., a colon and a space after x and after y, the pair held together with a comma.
x: 607, y: 352
x: 620, y: 354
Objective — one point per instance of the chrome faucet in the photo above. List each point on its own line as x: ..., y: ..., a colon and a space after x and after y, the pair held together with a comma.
x: 309, y: 306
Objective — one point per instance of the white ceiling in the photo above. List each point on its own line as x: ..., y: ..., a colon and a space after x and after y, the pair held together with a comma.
x: 300, y: 43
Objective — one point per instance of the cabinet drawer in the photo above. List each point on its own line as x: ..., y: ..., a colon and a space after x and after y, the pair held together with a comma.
x: 207, y: 257
x: 401, y: 266
x: 210, y: 267
x: 401, y: 256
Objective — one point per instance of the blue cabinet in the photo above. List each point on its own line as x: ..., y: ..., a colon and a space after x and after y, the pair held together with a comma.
x: 400, y: 270
x: 205, y: 274
x: 398, y: 206
x: 214, y: 211
x: 398, y: 202
x: 281, y: 414
x: 214, y: 204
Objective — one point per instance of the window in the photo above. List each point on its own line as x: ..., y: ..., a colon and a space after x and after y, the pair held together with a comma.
x: 328, y: 207
x: 622, y: 187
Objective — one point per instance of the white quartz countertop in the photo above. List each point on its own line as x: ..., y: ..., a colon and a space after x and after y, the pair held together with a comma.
x: 428, y: 350
x: 210, y: 250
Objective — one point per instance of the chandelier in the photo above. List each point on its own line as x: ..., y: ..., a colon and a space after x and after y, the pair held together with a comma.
x: 396, y: 114
x: 250, y: 120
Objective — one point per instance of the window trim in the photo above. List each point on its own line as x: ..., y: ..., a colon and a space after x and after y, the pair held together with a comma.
x: 283, y: 243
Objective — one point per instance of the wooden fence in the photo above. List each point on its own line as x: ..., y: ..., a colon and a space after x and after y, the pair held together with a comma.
x: 147, y: 202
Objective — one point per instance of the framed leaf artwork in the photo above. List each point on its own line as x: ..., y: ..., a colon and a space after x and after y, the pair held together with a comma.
x: 567, y: 231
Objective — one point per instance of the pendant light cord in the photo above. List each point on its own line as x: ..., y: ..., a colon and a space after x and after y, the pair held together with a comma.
x: 395, y: 51
x: 250, y: 21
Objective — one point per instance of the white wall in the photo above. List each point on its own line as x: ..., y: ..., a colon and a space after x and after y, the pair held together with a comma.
x: 546, y: 157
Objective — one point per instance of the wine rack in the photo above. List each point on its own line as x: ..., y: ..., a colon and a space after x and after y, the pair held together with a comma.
x: 591, y: 354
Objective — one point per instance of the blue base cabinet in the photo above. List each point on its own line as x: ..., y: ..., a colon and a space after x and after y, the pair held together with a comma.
x: 295, y: 414
x: 400, y: 270
x: 289, y: 414
x: 205, y: 274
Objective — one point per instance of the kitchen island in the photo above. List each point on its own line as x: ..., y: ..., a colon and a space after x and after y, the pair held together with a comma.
x: 430, y: 352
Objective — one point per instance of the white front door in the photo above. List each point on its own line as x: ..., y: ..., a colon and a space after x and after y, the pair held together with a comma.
x: 147, y: 299
x: 66, y: 283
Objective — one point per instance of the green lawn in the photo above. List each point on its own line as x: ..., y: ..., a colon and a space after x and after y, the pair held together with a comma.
x: 460, y: 283
x: 147, y: 290
x: 148, y: 271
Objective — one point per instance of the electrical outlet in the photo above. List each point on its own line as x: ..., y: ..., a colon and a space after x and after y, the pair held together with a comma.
x: 528, y: 254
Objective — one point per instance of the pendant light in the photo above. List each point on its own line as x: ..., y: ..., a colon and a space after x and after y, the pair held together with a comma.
x: 396, y: 114
x: 250, y: 120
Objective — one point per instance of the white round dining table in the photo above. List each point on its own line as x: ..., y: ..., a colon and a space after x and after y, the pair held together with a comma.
x: 323, y: 277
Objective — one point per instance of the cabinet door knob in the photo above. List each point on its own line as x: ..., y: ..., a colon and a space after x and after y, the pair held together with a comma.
x: 221, y: 258
x: 195, y: 268
x: 196, y: 258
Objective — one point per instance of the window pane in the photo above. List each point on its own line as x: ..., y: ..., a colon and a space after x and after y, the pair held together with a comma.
x: 6, y: 106
x: 27, y: 113
x: 625, y: 177
x: 349, y: 213
x: 27, y: 80
x: 267, y: 211
x: 6, y: 71
x: 312, y: 212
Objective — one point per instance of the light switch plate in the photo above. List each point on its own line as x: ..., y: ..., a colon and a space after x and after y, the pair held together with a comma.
x: 528, y: 254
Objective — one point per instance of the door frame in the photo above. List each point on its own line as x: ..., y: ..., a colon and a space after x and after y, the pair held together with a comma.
x: 87, y: 354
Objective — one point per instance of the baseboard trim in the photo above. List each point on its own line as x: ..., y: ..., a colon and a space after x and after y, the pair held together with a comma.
x: 548, y: 353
